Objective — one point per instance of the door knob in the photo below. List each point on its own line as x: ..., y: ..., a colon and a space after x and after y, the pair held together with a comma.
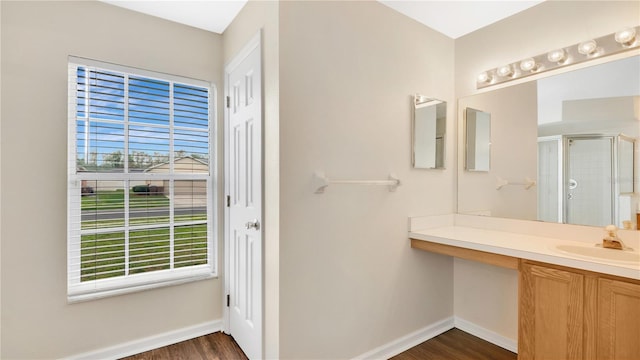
x: 255, y: 224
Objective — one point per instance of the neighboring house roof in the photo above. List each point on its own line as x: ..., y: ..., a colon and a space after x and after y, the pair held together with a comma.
x: 183, y: 159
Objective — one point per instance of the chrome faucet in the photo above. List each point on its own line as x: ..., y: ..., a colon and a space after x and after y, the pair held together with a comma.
x: 611, y: 240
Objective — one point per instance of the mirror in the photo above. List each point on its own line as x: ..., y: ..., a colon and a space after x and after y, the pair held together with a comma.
x: 563, y: 148
x: 477, y: 140
x: 429, y: 123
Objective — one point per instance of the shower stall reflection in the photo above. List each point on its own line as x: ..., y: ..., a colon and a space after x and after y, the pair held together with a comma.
x: 585, y: 179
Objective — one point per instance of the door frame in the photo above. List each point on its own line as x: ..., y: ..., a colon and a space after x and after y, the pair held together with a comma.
x: 252, y: 44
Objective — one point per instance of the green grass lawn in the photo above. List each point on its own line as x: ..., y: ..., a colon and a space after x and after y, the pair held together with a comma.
x: 114, y: 200
x: 147, y: 220
x: 110, y: 200
x: 103, y: 254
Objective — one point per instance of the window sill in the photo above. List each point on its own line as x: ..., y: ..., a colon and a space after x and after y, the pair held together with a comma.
x: 76, y: 298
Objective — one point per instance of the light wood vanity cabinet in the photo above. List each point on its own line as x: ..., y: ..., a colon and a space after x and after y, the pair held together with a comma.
x: 566, y: 313
x: 618, y: 320
x: 551, y: 313
x: 573, y: 314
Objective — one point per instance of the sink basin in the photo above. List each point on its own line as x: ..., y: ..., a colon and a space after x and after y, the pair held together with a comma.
x: 624, y: 256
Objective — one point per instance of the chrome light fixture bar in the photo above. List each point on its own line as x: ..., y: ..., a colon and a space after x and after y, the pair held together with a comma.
x: 621, y: 41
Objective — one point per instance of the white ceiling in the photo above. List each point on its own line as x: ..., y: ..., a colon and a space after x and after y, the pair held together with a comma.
x: 458, y: 18
x: 450, y: 17
x: 211, y: 15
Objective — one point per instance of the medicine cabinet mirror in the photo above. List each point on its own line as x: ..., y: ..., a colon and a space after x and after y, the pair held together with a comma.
x: 429, y: 125
x: 477, y: 140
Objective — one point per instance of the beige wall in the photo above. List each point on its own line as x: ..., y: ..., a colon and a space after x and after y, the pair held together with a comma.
x: 349, y: 282
x: 487, y: 296
x: 537, y: 30
x: 37, y: 37
x: 255, y: 16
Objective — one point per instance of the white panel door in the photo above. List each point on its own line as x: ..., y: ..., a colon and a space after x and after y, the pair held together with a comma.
x: 244, y: 149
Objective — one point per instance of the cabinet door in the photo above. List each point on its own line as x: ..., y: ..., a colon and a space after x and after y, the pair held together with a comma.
x: 551, y: 313
x: 618, y: 320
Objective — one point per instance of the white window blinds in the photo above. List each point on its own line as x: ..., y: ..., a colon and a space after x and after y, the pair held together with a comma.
x: 140, y: 196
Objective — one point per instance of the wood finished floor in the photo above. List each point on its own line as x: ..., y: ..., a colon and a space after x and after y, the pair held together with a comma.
x: 216, y: 346
x: 452, y: 345
x: 456, y: 344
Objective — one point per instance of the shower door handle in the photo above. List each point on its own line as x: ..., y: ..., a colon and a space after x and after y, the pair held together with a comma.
x: 573, y: 184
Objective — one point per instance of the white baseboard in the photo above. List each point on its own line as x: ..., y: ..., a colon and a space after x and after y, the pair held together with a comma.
x: 406, y: 342
x: 385, y: 351
x: 486, y: 334
x: 151, y: 342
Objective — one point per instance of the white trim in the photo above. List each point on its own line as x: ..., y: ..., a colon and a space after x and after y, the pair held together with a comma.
x: 78, y: 60
x: 82, y: 291
x: 486, y: 334
x: 225, y: 221
x: 408, y: 341
x: 151, y: 342
x: 213, y: 183
x: 242, y: 54
x: 254, y: 42
x: 120, y: 290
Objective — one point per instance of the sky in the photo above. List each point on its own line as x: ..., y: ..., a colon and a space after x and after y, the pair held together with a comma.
x: 110, y: 103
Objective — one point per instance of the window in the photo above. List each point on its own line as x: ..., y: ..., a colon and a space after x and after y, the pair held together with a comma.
x: 140, y: 196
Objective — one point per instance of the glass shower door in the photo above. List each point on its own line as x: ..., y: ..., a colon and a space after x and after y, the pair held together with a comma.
x: 588, y: 184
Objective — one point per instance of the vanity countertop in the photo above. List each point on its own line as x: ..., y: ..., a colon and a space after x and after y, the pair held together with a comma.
x: 524, y: 246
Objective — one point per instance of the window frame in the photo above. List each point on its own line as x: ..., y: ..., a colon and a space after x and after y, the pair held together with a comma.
x: 78, y: 290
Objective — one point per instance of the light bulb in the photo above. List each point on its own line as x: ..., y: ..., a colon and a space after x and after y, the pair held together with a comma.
x: 505, y: 70
x: 528, y: 65
x: 557, y: 56
x: 484, y: 77
x: 626, y: 37
x: 588, y: 47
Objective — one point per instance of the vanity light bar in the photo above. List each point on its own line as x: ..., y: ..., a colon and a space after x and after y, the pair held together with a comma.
x: 621, y: 41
